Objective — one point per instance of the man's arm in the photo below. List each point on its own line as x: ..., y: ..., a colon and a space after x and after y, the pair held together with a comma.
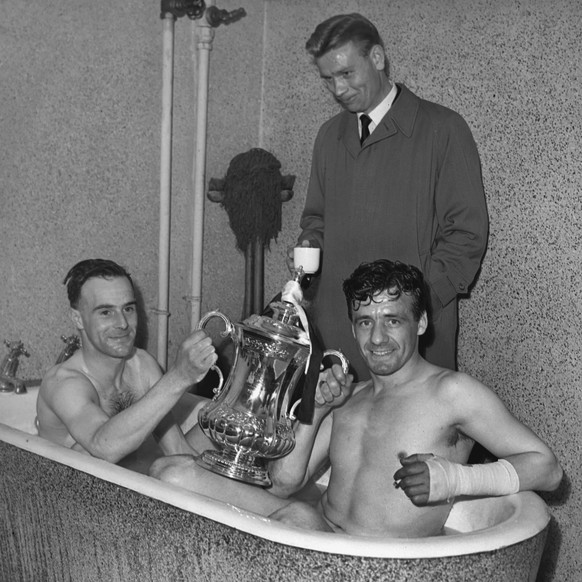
x: 170, y: 437
x: 489, y: 422
x: 312, y: 218
x: 76, y: 403
x: 290, y: 473
x: 526, y: 462
x: 461, y: 214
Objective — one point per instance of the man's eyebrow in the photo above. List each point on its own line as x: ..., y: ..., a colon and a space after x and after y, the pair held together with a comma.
x: 336, y: 73
x: 111, y: 306
x: 359, y: 317
x: 385, y: 315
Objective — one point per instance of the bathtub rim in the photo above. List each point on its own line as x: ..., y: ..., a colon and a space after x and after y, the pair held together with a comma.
x: 530, y: 517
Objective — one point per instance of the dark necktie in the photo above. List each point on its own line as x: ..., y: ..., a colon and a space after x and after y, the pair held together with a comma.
x: 365, y: 121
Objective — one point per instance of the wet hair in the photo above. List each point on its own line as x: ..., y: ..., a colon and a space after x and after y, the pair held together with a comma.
x: 88, y: 269
x: 341, y: 29
x: 395, y: 277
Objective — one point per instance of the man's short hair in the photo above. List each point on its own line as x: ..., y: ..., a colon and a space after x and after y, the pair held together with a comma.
x: 88, y: 269
x: 341, y: 29
x: 395, y: 277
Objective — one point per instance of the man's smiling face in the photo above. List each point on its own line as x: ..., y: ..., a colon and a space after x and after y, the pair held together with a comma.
x: 357, y: 82
x: 386, y: 332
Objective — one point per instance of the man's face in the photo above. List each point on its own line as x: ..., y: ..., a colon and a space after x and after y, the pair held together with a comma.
x: 358, y: 83
x: 387, y: 333
x: 107, y: 315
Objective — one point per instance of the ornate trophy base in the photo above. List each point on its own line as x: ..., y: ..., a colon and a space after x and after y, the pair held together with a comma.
x: 239, y: 466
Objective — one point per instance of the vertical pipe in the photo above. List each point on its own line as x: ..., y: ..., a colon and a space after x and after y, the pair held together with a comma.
x: 259, y: 277
x: 205, y: 36
x: 165, y: 189
x: 249, y: 282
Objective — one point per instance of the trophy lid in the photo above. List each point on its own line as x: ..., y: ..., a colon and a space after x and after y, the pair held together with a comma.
x: 284, y: 324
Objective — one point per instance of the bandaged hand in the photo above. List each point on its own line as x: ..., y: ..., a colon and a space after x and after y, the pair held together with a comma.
x: 428, y: 479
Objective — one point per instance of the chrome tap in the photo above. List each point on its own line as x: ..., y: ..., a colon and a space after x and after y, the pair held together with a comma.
x: 8, y: 380
x: 72, y: 344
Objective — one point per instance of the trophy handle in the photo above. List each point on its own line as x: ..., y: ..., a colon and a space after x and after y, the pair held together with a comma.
x: 344, y: 361
x: 227, y: 332
x: 345, y: 367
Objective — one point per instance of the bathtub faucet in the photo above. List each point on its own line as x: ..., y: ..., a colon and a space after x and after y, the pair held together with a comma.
x: 8, y: 380
x: 72, y: 344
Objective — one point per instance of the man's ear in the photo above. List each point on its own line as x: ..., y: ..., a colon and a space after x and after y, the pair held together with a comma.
x: 76, y: 318
x: 422, y: 323
x: 378, y: 57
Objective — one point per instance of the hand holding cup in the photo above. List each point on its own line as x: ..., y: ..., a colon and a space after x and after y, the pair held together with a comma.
x: 307, y: 258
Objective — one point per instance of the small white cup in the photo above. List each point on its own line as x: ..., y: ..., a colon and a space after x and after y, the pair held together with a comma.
x: 306, y: 257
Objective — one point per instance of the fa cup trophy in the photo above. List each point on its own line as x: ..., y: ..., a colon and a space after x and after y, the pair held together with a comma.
x: 250, y: 418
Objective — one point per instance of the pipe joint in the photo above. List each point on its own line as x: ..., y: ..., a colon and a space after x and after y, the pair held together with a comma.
x: 205, y: 36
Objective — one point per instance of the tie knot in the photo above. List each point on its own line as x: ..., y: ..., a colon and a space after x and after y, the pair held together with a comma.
x: 365, y: 121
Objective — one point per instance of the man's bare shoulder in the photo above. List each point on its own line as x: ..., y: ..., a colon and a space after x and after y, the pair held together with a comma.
x: 452, y: 380
x: 64, y: 377
x: 458, y: 387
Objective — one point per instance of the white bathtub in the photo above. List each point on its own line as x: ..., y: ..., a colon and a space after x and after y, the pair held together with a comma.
x: 495, y: 538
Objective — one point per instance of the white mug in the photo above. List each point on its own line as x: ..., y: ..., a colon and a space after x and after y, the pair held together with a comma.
x: 306, y: 257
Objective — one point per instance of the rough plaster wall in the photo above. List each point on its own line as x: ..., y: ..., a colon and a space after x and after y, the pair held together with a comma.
x: 79, y: 157
x: 79, y: 160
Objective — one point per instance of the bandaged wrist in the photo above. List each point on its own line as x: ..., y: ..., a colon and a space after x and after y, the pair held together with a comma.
x: 449, y: 480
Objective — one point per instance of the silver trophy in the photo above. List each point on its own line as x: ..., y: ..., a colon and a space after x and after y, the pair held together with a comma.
x: 250, y: 418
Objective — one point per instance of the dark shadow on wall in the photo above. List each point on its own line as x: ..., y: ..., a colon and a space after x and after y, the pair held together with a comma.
x: 559, y: 497
x: 549, y: 559
x: 142, y: 335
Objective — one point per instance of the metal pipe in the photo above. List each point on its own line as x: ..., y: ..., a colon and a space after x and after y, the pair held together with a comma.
x: 204, y: 36
x: 162, y: 310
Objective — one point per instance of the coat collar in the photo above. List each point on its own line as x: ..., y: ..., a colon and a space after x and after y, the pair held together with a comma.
x: 400, y: 117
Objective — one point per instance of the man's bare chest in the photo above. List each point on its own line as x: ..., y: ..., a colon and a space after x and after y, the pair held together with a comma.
x: 382, y: 432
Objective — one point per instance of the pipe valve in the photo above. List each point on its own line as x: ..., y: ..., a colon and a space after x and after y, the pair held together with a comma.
x: 217, y: 16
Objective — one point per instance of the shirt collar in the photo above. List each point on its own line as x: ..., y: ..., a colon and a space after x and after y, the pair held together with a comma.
x: 382, y: 108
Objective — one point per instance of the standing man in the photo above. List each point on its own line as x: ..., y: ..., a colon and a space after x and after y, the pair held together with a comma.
x: 110, y: 399
x: 392, y: 176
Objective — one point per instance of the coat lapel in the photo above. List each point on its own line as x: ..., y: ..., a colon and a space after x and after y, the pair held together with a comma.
x: 400, y: 117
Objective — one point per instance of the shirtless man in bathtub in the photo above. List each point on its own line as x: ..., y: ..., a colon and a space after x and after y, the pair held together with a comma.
x: 110, y: 399
x: 398, y: 443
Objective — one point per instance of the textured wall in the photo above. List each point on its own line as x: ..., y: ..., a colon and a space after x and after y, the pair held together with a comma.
x: 79, y: 161
x: 79, y: 156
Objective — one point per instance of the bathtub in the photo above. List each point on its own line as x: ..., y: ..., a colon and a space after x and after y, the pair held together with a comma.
x: 68, y: 516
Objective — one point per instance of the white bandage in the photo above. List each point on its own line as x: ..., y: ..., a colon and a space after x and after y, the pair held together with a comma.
x: 449, y: 480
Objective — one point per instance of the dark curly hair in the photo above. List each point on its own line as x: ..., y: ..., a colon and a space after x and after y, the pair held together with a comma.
x: 369, y: 279
x: 87, y: 269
